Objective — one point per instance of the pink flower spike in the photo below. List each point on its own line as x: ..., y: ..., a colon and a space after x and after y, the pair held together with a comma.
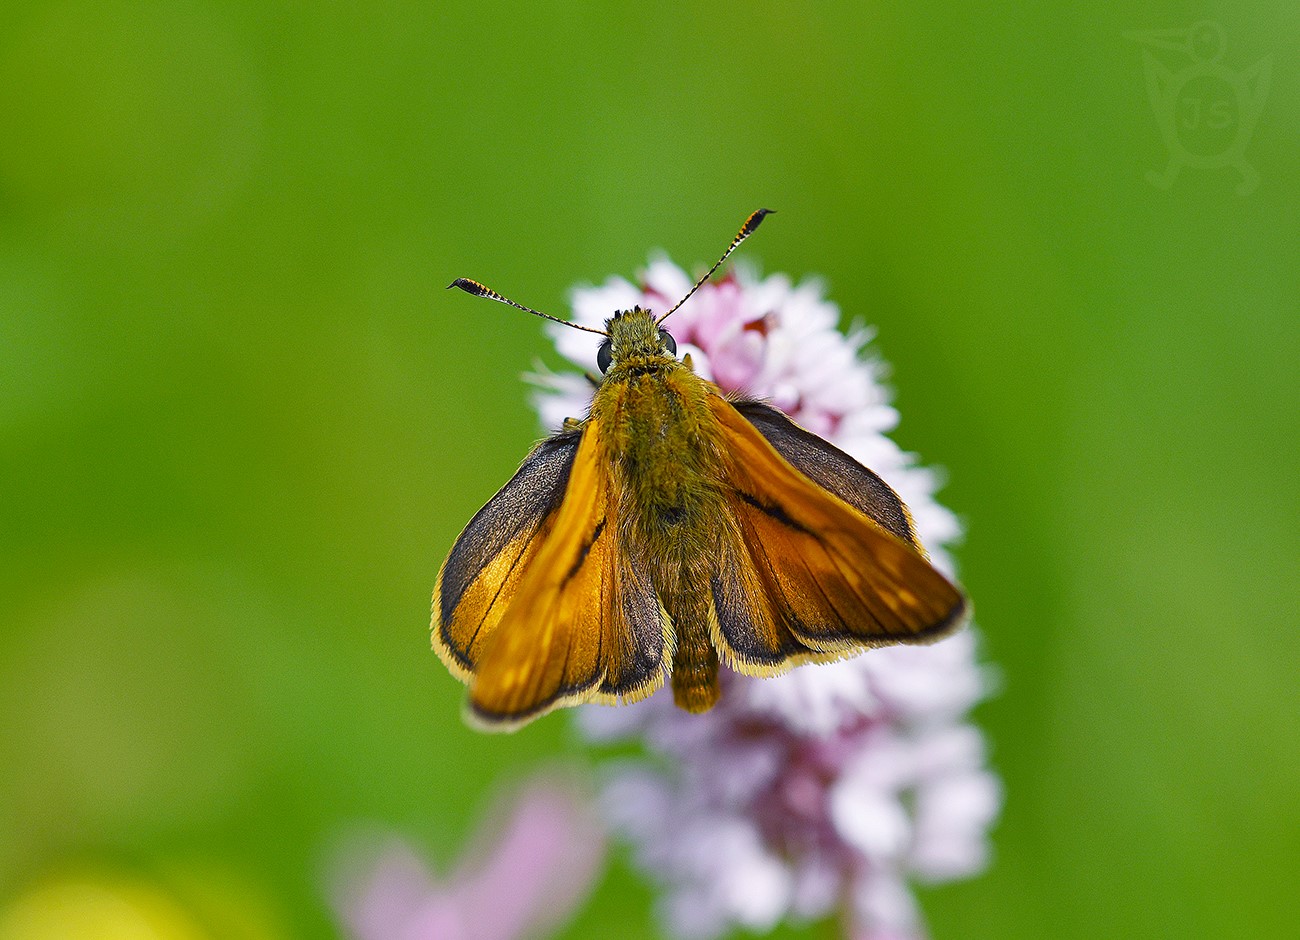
x: 825, y: 791
x: 522, y: 879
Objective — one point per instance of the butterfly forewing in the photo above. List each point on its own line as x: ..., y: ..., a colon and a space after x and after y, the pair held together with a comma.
x: 831, y: 577
x: 829, y: 467
x: 578, y: 626
x: 479, y: 579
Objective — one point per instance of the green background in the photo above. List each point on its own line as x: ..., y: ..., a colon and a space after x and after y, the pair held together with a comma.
x: 241, y: 422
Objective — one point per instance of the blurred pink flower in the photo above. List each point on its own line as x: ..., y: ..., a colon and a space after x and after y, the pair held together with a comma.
x: 523, y: 880
x: 826, y: 789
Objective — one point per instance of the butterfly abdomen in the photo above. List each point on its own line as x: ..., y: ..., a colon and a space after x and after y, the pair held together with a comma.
x: 695, y: 661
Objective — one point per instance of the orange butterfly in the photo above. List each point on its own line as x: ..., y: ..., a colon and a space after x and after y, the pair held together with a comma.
x: 672, y: 528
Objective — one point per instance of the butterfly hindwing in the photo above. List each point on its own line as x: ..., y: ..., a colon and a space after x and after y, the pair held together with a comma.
x: 819, y: 575
x: 580, y: 625
x: 747, y: 625
x: 637, y: 636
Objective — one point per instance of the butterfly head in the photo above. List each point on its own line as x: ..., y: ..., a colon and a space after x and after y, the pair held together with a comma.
x: 633, y: 337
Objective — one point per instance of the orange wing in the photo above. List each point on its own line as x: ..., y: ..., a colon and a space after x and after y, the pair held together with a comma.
x: 576, y: 622
x: 482, y: 572
x: 818, y: 578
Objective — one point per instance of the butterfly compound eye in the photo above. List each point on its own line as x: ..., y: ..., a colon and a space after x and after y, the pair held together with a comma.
x: 603, y: 357
x: 667, y: 339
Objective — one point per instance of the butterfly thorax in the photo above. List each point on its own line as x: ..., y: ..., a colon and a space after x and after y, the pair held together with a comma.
x: 664, y: 444
x: 659, y: 433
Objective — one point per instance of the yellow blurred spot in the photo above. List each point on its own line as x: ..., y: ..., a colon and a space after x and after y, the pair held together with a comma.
x: 88, y: 908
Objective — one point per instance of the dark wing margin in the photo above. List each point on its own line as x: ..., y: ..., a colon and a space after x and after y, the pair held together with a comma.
x: 486, y: 558
x: 831, y: 468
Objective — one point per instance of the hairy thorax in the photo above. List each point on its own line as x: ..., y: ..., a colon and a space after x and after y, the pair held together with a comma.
x: 664, y: 445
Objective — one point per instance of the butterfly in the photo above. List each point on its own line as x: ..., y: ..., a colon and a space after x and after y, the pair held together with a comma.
x: 672, y: 529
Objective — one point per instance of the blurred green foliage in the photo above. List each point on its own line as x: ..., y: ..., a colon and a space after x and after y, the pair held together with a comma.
x: 240, y: 422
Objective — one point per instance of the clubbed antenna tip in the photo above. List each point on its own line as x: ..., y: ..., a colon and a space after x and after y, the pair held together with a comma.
x: 482, y: 290
x: 751, y: 224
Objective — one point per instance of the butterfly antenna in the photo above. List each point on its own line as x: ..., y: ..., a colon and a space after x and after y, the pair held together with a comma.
x: 746, y: 230
x: 480, y: 290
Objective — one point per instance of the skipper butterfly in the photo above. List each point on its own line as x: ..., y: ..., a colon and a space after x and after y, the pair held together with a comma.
x: 673, y: 528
